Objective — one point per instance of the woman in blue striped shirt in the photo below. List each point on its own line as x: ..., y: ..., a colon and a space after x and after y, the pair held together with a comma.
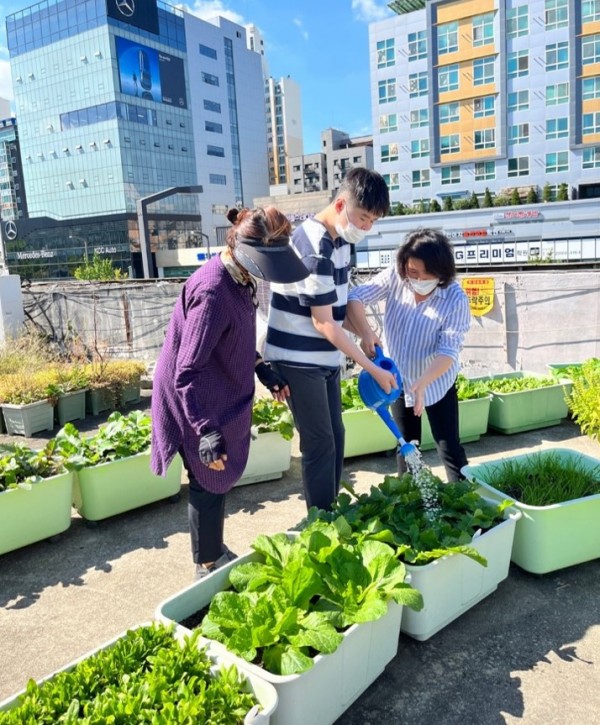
x: 425, y: 320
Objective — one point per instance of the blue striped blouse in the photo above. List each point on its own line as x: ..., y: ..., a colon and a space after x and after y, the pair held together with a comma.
x: 417, y: 332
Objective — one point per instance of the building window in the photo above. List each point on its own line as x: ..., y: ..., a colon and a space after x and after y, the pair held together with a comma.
x: 215, y: 151
x: 518, y: 166
x: 419, y: 147
x: 389, y: 152
x: 417, y: 45
x: 518, y: 101
x: 591, y: 88
x: 388, y: 122
x: 557, y: 128
x: 590, y: 11
x: 386, y: 54
x: 420, y: 178
x: 518, y: 134
x: 387, y: 90
x: 448, y: 38
x: 392, y: 181
x: 417, y: 84
x: 556, y: 94
x: 590, y: 49
x: 208, y: 52
x: 591, y: 158
x: 483, y: 29
x: 485, y: 170
x: 557, y: 56
x: 220, y: 179
x: 483, y: 71
x: 557, y: 14
x: 591, y: 123
x: 517, y: 21
x: 212, y: 106
x: 449, y: 112
x: 210, y: 79
x: 556, y: 162
x: 450, y: 144
x: 485, y: 138
x: 419, y: 118
x: 451, y: 175
x: 484, y: 106
x: 518, y: 64
x: 213, y: 127
x: 448, y: 78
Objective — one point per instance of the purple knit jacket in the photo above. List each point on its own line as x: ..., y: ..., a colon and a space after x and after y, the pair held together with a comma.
x: 204, y: 377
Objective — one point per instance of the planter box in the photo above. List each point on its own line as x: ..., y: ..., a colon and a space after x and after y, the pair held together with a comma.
x: 25, y: 420
x: 527, y: 409
x: 29, y: 515
x: 320, y: 695
x: 130, y: 393
x: 551, y: 537
x: 263, y: 691
x: 473, y: 418
x: 112, y: 488
x: 97, y: 400
x: 559, y: 369
x: 70, y: 406
x: 270, y: 455
x: 453, y: 584
x: 366, y: 433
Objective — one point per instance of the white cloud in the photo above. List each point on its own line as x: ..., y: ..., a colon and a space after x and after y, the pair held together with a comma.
x: 5, y: 80
x: 370, y: 11
x: 298, y: 23
x: 210, y: 9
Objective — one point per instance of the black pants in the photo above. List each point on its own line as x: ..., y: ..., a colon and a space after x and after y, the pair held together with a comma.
x: 206, y: 518
x: 316, y: 405
x: 443, y: 419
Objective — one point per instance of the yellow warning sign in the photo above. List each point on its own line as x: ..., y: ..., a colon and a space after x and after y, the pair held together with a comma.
x: 480, y: 291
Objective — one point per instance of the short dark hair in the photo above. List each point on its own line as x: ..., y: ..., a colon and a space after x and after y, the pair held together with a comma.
x: 433, y: 249
x: 367, y: 189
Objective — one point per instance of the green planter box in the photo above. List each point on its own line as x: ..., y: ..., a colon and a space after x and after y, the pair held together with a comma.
x: 32, y: 514
x: 366, y: 433
x: 270, y: 455
x: 131, y: 393
x: 473, y: 418
x: 551, y: 537
x: 70, y: 406
x: 25, y: 420
x: 527, y: 409
x: 97, y: 400
x: 112, y: 488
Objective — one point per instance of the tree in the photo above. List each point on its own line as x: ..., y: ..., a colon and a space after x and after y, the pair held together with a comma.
x: 421, y: 207
x: 100, y: 268
x: 397, y: 209
x: 563, y: 192
x: 487, y: 199
x: 532, y: 195
x: 448, y: 203
x: 474, y: 201
x: 515, y: 198
x: 502, y: 201
x: 547, y: 192
x: 434, y: 205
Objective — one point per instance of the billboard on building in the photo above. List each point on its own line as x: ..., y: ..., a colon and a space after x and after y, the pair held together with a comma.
x: 150, y: 74
x: 140, y: 13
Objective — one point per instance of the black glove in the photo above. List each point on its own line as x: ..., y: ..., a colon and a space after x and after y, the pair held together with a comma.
x: 211, y: 447
x: 269, y: 378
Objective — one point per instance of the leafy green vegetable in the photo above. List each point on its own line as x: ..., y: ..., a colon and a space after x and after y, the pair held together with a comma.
x: 351, y: 399
x: 22, y: 466
x: 271, y: 416
x: 468, y: 389
x: 514, y: 385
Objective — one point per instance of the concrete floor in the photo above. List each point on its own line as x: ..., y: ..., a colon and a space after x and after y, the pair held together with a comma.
x: 530, y: 652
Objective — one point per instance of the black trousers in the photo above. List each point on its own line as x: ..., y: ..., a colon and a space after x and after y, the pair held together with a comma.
x: 206, y: 518
x: 316, y: 404
x: 443, y: 419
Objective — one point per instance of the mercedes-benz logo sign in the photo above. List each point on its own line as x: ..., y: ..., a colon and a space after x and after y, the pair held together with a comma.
x: 10, y: 231
x: 126, y: 7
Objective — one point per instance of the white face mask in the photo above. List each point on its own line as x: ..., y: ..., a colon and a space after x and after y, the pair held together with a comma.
x: 423, y: 286
x: 351, y: 233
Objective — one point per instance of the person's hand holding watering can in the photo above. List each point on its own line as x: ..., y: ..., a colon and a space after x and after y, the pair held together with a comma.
x: 384, y: 378
x: 368, y: 342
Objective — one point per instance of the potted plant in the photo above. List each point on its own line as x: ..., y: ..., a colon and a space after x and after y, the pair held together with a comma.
x: 113, y: 383
x: 558, y: 493
x: 316, y: 616
x: 365, y: 430
x: 69, y: 391
x: 584, y: 400
x: 27, y: 401
x: 36, y: 492
x: 524, y: 401
x: 113, y: 467
x: 147, y: 674
x: 455, y: 544
x: 271, y: 445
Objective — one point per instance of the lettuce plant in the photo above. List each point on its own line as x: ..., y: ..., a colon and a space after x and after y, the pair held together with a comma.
x: 271, y: 416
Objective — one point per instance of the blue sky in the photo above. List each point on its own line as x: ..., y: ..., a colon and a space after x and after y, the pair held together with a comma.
x: 322, y: 44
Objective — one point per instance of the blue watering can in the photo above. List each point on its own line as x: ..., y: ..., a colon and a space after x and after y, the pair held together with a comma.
x: 374, y: 397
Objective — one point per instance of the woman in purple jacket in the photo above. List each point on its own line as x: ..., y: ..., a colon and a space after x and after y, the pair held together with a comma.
x: 204, y: 380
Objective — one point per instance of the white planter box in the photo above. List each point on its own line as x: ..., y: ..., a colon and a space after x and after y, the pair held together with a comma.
x: 320, y: 695
x: 455, y: 583
x: 270, y: 456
